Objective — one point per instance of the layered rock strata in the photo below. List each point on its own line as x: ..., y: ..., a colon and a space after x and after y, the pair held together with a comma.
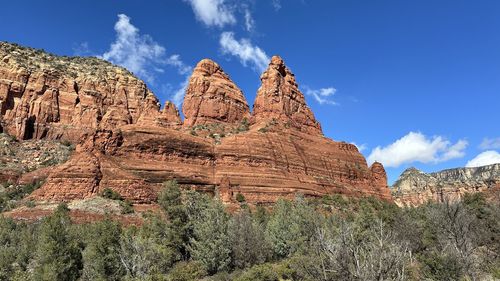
x: 212, y: 97
x: 279, y: 99
x: 415, y: 187
x: 127, y: 144
x: 43, y: 96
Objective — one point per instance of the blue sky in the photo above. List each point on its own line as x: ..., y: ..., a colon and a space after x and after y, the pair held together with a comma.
x: 412, y: 83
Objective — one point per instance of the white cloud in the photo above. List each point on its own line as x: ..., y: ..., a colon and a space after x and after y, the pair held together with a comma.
x: 213, y: 12
x: 143, y: 56
x: 249, y: 21
x: 360, y: 147
x: 244, y: 50
x: 488, y: 143
x: 82, y: 49
x: 178, y: 96
x: 276, y: 4
x: 416, y: 147
x: 140, y: 53
x: 323, y: 95
x: 175, y: 60
x: 455, y: 151
x: 134, y: 51
x: 484, y: 158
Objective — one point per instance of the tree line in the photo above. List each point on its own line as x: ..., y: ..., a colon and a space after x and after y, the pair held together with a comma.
x: 329, y: 238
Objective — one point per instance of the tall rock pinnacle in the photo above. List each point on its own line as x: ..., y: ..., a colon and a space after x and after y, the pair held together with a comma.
x: 279, y: 98
x: 211, y: 97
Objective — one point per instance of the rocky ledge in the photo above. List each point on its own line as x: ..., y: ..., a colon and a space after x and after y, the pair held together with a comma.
x: 415, y: 187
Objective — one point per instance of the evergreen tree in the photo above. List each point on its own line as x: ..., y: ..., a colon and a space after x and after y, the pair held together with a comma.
x: 58, y: 256
x: 101, y: 256
x: 210, y: 243
x: 283, y: 230
x: 170, y: 199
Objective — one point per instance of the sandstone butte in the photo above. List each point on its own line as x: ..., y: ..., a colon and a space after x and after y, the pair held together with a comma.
x: 127, y: 143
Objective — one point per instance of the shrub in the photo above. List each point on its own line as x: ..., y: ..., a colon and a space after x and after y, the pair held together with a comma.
x: 108, y: 193
x: 66, y: 143
x: 240, y: 197
x: 127, y: 207
x: 30, y: 204
x: 264, y: 272
x: 186, y: 271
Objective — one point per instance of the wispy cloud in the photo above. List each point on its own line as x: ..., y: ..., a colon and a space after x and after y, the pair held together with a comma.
x: 322, y: 95
x: 178, y: 95
x: 361, y: 147
x: 249, y: 21
x: 213, y: 12
x: 142, y: 55
x: 276, y: 4
x: 416, y: 147
x: 248, y: 54
x: 485, y: 158
x: 82, y: 49
x: 488, y: 143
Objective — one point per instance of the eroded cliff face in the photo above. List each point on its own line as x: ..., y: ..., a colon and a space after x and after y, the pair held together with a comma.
x: 279, y: 100
x: 261, y: 166
x: 415, y: 187
x: 127, y: 144
x: 51, y: 97
x: 211, y: 97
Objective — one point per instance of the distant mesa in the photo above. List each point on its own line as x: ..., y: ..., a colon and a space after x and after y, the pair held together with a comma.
x: 415, y: 187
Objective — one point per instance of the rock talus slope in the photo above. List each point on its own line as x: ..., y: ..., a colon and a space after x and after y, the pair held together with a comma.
x: 415, y: 187
x: 126, y: 143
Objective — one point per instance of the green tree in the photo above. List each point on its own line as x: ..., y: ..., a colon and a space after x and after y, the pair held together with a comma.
x: 17, y: 241
x: 186, y: 271
x: 146, y: 253
x: 283, y: 230
x: 170, y: 199
x: 210, y: 243
x: 101, y: 256
x: 247, y: 240
x: 58, y: 256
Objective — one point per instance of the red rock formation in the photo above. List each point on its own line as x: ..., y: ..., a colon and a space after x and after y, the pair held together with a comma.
x: 128, y: 145
x: 211, y: 97
x: 280, y: 99
x: 44, y: 96
x: 261, y: 166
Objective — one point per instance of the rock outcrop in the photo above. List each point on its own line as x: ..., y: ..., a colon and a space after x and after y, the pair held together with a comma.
x: 211, y: 97
x: 415, y: 187
x: 280, y: 101
x: 262, y: 166
x: 51, y: 97
x: 127, y: 144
